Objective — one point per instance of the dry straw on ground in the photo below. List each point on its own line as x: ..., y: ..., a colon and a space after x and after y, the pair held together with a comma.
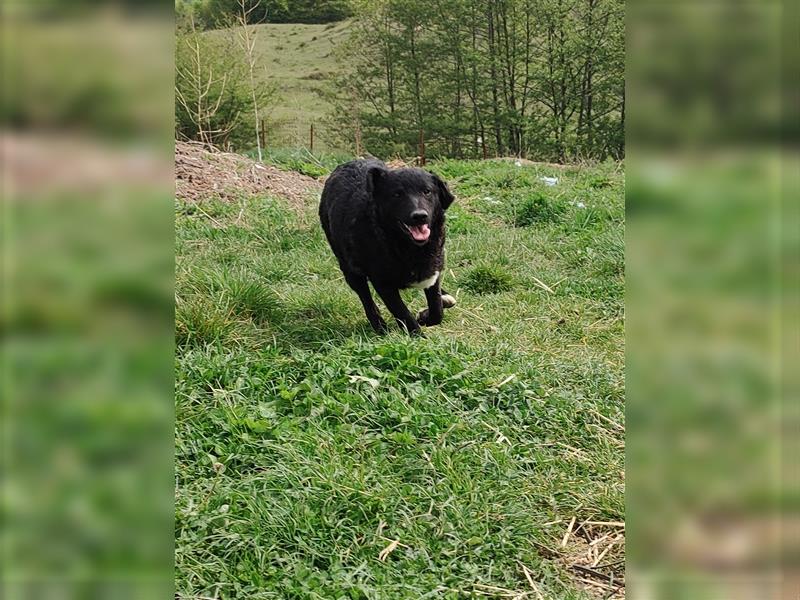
x: 203, y: 172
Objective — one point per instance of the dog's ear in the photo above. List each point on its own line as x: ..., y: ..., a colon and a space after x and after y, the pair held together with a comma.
x: 376, y: 176
x: 445, y: 197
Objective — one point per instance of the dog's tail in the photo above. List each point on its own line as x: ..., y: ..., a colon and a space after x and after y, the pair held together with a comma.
x: 448, y: 301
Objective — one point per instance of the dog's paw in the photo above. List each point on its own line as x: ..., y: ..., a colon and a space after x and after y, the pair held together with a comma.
x: 424, y: 318
x: 380, y: 327
x: 410, y: 327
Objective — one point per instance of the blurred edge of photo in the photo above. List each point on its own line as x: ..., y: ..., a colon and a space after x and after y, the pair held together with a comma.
x: 86, y: 147
x: 712, y: 297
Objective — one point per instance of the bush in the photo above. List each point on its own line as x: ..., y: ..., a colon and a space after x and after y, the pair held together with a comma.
x: 226, y: 107
x: 211, y: 13
x: 487, y: 280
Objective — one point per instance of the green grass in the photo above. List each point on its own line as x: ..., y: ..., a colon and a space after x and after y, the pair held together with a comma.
x: 486, y: 280
x: 303, y: 161
x: 306, y: 444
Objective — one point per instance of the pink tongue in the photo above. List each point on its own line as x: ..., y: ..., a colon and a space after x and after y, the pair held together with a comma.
x: 420, y: 232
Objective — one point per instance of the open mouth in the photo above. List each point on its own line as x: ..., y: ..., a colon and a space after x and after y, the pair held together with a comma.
x: 419, y: 233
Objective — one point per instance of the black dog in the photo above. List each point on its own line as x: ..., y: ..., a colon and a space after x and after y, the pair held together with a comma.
x: 387, y: 227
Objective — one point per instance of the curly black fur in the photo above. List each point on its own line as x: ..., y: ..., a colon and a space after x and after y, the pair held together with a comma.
x: 375, y: 220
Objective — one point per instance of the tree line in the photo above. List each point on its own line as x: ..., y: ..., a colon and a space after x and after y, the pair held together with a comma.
x: 212, y: 14
x: 530, y: 78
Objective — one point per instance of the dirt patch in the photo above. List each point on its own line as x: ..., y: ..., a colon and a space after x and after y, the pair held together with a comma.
x: 203, y: 172
x: 397, y: 163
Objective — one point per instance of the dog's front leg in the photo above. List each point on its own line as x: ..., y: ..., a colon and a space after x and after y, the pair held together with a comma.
x: 391, y: 298
x: 361, y: 287
x: 433, y: 314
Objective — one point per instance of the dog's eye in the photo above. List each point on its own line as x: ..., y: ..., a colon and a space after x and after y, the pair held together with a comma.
x: 398, y: 194
x: 427, y: 192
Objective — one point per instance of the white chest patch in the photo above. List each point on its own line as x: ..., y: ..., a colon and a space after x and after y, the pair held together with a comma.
x: 425, y: 283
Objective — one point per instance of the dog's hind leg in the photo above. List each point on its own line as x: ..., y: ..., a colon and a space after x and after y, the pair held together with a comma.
x: 448, y: 301
x: 391, y: 297
x: 361, y: 287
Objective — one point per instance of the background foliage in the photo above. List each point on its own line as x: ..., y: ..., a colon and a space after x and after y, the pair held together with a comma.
x: 212, y: 12
x: 542, y: 79
x: 538, y: 78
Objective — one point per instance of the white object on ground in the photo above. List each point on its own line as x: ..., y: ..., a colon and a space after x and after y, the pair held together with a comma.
x: 549, y: 180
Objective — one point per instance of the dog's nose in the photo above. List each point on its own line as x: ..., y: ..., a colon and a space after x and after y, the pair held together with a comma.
x: 419, y: 216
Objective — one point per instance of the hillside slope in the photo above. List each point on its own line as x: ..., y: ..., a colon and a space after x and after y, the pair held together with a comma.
x: 300, y: 60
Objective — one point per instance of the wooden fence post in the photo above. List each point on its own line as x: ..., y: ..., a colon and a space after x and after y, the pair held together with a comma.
x: 263, y: 134
x: 311, y: 139
x: 422, y: 148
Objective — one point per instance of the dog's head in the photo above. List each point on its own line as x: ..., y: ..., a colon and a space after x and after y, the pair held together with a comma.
x: 411, y: 201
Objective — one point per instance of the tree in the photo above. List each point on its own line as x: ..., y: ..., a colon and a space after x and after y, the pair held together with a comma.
x: 213, y: 92
x: 217, y: 13
x: 540, y: 78
x: 247, y: 38
x: 199, y: 89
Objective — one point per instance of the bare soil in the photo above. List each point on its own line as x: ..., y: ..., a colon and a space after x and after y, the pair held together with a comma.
x: 202, y: 172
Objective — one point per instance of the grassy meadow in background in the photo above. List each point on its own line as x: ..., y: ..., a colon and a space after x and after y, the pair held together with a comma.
x: 315, y: 459
x: 298, y: 60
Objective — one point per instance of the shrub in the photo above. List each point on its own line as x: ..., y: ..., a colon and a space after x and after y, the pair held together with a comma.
x: 223, y: 105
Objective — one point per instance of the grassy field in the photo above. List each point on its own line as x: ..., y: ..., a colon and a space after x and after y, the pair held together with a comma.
x: 299, y: 60
x: 316, y: 459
